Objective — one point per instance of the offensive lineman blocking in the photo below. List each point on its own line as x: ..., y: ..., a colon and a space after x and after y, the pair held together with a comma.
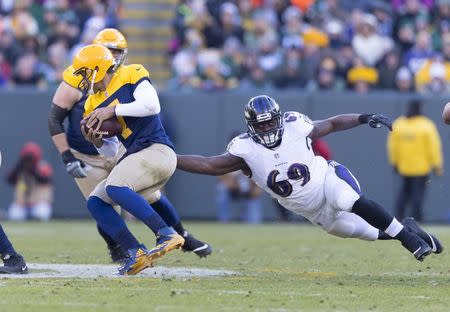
x: 276, y: 153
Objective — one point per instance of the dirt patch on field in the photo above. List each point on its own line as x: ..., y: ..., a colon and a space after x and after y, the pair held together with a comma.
x: 47, y: 270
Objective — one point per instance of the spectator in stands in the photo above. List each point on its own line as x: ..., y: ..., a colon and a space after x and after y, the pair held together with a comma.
x: 368, y: 44
x: 31, y: 179
x: 228, y: 26
x: 433, y: 76
x: 414, y: 150
x: 233, y: 61
x: 388, y: 70
x: 443, y: 12
x: 315, y: 41
x: 404, y: 80
x: 26, y: 72
x: 335, y: 31
x: 383, y: 12
x: 327, y: 76
x: 418, y: 54
x: 292, y: 27
x: 361, y: 77
x: 289, y: 73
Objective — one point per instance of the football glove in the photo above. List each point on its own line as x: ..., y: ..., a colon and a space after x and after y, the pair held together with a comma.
x: 375, y: 120
x: 74, y: 166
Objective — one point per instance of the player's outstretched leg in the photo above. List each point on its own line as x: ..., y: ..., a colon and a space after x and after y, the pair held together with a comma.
x: 432, y: 241
x: 166, y: 210
x: 379, y: 218
x: 14, y: 263
x: 111, y: 222
x: 166, y: 237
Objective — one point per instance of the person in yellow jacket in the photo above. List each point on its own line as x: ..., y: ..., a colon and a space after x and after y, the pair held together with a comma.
x: 414, y: 149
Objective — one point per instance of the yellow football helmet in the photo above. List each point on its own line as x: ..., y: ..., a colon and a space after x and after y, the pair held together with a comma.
x: 92, y: 62
x: 113, y: 39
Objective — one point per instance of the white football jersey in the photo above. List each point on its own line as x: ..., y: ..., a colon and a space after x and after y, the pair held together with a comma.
x: 291, y: 172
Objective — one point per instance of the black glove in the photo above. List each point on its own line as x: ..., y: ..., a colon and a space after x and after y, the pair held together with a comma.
x: 375, y: 120
x: 74, y: 166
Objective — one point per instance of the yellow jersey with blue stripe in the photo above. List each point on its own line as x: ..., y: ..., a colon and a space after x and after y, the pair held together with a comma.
x: 137, y: 132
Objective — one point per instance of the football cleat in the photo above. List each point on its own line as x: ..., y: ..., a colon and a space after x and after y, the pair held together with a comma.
x: 136, y: 261
x: 411, y: 225
x: 165, y: 244
x: 14, y: 264
x: 191, y: 244
x: 417, y: 246
x: 117, y: 254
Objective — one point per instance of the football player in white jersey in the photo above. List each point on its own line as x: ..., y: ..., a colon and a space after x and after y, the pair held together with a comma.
x: 276, y: 153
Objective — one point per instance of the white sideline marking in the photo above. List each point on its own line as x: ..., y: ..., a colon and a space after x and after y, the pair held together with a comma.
x: 47, y: 270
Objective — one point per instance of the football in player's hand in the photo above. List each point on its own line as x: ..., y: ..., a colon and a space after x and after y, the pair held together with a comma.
x: 446, y: 113
x: 109, y: 128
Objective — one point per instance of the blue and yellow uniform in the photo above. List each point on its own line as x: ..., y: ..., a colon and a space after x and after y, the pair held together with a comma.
x: 73, y: 132
x: 137, y: 132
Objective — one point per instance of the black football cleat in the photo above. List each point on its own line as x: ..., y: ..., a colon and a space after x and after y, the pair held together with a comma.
x: 117, y: 254
x: 14, y: 264
x: 191, y: 244
x: 411, y: 225
x: 417, y: 246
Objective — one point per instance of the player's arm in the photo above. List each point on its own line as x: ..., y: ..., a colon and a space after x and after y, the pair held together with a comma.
x: 63, y: 101
x: 214, y: 165
x: 347, y: 121
x: 146, y: 103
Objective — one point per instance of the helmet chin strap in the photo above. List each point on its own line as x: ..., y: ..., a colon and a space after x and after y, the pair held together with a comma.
x: 91, y: 83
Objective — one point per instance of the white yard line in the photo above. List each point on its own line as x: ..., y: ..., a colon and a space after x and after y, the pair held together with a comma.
x: 47, y: 270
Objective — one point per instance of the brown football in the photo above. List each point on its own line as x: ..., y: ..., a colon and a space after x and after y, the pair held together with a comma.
x: 110, y: 127
x: 446, y: 114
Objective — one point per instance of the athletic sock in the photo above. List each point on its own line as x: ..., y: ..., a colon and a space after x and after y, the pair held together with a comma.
x: 111, y: 222
x: 108, y: 239
x: 137, y: 206
x: 379, y: 218
x: 179, y: 228
x: 6, y: 248
x: 166, y: 210
x: 383, y: 236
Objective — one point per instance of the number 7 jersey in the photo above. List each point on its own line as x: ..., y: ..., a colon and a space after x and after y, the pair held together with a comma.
x: 291, y: 172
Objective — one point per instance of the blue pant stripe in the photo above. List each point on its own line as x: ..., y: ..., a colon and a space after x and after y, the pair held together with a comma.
x: 344, y: 174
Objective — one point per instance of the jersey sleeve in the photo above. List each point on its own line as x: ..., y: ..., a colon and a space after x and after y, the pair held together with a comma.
x: 239, y: 145
x: 302, y: 124
x: 70, y: 78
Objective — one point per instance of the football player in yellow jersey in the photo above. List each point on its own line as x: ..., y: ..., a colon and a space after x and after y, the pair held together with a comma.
x: 68, y: 102
x: 149, y: 160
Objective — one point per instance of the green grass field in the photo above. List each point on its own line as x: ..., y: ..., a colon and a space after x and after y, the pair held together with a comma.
x: 293, y: 267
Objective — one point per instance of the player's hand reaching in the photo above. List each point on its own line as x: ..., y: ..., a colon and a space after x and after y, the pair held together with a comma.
x: 74, y: 166
x: 375, y: 120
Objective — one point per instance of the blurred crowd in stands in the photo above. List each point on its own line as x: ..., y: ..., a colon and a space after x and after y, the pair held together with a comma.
x: 362, y: 45
x: 38, y: 37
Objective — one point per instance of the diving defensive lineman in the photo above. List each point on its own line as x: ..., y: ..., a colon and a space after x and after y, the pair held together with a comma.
x: 276, y: 153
